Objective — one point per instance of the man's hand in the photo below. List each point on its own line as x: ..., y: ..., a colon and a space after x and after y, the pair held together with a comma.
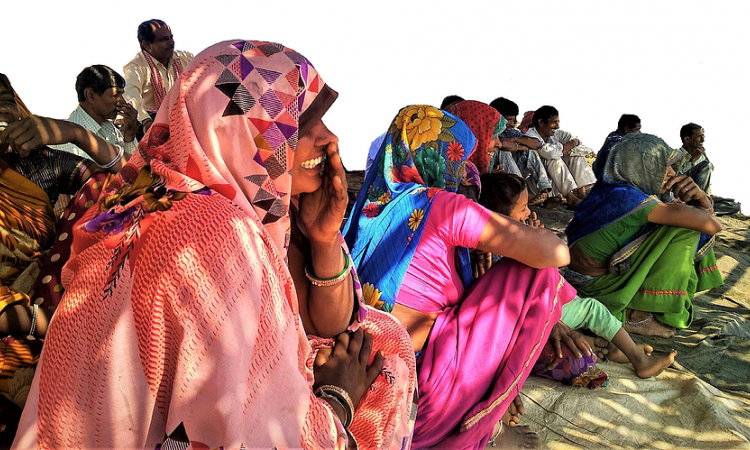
x: 129, y: 120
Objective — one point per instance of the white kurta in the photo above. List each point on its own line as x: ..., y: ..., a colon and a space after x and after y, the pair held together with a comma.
x: 566, y: 172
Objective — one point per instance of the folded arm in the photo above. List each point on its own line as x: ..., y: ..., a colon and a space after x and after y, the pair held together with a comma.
x: 535, y: 247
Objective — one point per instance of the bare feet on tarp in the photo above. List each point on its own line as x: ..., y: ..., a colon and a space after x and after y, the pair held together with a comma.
x: 615, y: 355
x: 599, y: 345
x: 520, y: 437
x: 650, y: 366
x: 643, y: 323
x: 512, y: 416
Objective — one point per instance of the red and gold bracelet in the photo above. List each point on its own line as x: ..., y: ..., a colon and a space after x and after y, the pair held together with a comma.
x: 327, y: 282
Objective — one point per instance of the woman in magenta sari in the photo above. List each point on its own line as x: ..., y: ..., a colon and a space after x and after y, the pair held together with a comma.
x: 408, y: 232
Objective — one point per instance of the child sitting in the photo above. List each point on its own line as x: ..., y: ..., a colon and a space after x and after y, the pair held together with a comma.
x: 506, y: 194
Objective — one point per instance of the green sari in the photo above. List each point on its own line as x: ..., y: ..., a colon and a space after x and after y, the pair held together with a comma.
x: 652, y: 268
x: 659, y: 273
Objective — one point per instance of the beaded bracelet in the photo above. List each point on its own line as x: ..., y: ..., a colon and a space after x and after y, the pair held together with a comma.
x: 327, y: 282
x: 341, y: 397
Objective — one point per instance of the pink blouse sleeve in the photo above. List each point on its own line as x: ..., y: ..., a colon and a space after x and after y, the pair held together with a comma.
x: 461, y: 220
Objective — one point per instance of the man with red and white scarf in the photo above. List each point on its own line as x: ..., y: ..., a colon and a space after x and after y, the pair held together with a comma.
x: 153, y: 71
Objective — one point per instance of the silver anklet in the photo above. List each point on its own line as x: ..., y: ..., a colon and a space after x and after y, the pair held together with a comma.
x: 640, y: 323
x: 492, y: 442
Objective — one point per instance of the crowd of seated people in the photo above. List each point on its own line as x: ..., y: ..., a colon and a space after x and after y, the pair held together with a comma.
x: 175, y: 251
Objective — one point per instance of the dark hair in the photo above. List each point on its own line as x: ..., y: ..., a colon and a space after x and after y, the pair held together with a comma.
x: 500, y: 191
x: 628, y: 121
x: 99, y: 78
x: 449, y: 100
x: 6, y: 82
x: 687, y: 130
x: 146, y: 31
x: 504, y: 106
x: 544, y: 114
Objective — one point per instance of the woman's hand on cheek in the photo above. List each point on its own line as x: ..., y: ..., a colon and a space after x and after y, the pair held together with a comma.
x: 322, y: 211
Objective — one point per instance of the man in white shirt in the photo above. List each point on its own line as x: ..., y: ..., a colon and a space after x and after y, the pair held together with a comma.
x: 100, y: 100
x: 563, y: 156
x: 694, y: 162
x: 154, y: 70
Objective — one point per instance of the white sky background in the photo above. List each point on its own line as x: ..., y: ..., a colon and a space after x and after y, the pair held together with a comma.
x: 669, y: 62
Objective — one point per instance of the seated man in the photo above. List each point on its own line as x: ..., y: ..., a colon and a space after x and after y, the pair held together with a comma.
x: 694, y: 162
x: 518, y: 155
x: 628, y: 123
x: 564, y: 156
x: 153, y: 71
x: 99, y: 90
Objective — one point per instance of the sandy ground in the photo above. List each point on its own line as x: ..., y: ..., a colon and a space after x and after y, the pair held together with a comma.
x: 703, y: 401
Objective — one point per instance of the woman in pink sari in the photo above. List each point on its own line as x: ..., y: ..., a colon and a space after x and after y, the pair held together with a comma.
x: 191, y: 288
x: 409, y: 232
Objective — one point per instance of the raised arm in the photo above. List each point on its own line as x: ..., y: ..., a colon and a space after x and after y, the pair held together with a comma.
x: 535, y: 247
x: 34, y: 132
x: 326, y: 310
x: 684, y: 216
x: 515, y: 144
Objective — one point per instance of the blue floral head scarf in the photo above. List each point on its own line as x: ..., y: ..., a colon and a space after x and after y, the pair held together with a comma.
x: 424, y: 151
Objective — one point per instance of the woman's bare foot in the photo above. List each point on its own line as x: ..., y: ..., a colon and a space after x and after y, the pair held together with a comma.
x: 643, y: 323
x: 512, y: 416
x: 599, y: 345
x: 614, y: 354
x: 649, y: 366
x: 520, y: 437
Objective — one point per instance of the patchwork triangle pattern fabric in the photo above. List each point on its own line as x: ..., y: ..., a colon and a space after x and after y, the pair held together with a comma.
x: 262, y: 195
x: 269, y: 75
x: 274, y: 136
x: 257, y: 180
x: 293, y: 79
x: 297, y: 58
x: 244, y: 46
x: 228, y: 88
x: 225, y: 59
x: 270, y: 97
x: 271, y: 103
x: 227, y: 77
x: 275, y: 167
x: 270, y: 49
x: 245, y: 67
x: 243, y: 99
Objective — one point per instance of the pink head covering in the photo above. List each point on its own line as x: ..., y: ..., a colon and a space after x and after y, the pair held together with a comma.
x: 232, y: 125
